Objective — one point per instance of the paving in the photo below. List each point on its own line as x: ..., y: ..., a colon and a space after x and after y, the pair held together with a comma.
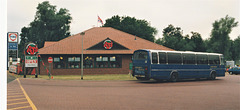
x: 220, y: 94
x: 16, y: 97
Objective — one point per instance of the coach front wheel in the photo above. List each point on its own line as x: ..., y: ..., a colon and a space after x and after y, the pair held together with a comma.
x: 213, y: 76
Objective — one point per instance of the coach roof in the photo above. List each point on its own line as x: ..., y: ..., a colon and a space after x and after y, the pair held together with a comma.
x: 187, y: 52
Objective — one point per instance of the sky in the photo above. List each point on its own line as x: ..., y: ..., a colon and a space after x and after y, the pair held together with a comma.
x: 189, y: 15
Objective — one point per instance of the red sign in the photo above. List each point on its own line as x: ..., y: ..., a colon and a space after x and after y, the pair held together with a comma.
x: 31, y: 49
x: 12, y: 37
x: 107, y: 44
x: 50, y: 59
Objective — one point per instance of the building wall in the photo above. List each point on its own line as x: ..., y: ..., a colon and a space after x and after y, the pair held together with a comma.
x: 126, y: 59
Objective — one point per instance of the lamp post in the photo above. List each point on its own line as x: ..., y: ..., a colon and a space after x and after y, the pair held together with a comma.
x: 82, y: 33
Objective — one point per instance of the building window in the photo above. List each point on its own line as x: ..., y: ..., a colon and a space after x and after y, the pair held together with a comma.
x: 115, y: 62
x: 59, y: 62
x: 88, y: 62
x: 73, y: 62
x: 102, y: 62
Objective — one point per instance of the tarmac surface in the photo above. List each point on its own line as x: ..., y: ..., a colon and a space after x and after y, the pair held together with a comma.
x: 220, y: 94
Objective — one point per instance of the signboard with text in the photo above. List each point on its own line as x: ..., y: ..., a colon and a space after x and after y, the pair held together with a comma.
x: 31, y: 61
x: 12, y: 54
x: 13, y: 46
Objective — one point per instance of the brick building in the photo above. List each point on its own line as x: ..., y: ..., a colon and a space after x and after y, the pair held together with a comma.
x: 106, y: 51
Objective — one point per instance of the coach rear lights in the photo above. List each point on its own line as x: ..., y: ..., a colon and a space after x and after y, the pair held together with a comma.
x: 146, y: 68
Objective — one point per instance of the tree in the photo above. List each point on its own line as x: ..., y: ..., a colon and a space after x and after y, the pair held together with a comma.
x: 198, y: 42
x: 131, y: 25
x: 236, y: 49
x: 173, y: 38
x: 48, y: 25
x: 219, y: 41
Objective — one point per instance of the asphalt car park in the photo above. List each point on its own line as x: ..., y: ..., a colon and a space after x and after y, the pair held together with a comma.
x: 220, y: 94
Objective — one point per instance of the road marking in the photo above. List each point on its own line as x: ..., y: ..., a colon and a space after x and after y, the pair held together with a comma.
x: 15, y: 96
x: 17, y: 103
x: 19, y: 108
x: 14, y: 93
x: 11, y: 91
x: 28, y: 99
x: 16, y: 99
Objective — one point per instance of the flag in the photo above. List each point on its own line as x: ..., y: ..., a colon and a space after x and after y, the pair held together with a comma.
x: 100, y: 20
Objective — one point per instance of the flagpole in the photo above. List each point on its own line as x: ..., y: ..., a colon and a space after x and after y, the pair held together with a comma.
x: 97, y: 21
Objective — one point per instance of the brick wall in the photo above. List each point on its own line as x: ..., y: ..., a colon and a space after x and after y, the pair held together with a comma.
x: 126, y: 59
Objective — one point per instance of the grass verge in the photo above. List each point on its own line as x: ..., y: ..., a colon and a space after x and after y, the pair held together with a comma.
x: 120, y: 77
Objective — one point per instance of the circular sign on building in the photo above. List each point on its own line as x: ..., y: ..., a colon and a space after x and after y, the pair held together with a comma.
x: 50, y: 59
x: 13, y: 37
x: 31, y: 49
x: 108, y: 44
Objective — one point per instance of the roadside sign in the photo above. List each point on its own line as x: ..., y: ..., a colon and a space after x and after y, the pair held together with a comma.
x: 130, y: 66
x: 13, y: 68
x: 31, y: 49
x: 50, y: 59
x: 31, y: 61
x: 13, y: 54
x: 13, y: 46
x: 13, y: 37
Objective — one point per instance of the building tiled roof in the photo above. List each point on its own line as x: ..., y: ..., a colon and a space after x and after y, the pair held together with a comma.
x: 73, y: 44
x: 48, y: 43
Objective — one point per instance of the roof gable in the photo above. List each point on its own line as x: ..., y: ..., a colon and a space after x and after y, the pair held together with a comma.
x: 108, y: 44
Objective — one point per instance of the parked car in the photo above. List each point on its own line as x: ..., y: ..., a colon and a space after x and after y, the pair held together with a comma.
x: 234, y: 70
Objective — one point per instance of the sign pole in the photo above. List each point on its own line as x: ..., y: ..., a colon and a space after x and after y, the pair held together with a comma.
x: 49, y: 71
x: 31, y: 58
x: 24, y: 72
x: 83, y: 33
x: 50, y: 60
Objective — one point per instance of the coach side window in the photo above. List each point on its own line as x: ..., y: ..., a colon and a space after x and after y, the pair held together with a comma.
x: 202, y: 59
x: 188, y: 58
x: 154, y: 58
x: 174, y: 58
x: 162, y: 57
x: 214, y: 60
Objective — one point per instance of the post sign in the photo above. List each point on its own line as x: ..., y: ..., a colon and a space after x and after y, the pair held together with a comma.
x: 12, y: 54
x: 13, y: 37
x: 13, y: 46
x: 31, y: 61
x: 13, y: 68
x: 31, y: 49
x: 108, y: 44
x: 50, y: 59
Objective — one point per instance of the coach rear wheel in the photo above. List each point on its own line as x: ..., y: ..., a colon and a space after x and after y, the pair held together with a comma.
x: 174, y: 77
